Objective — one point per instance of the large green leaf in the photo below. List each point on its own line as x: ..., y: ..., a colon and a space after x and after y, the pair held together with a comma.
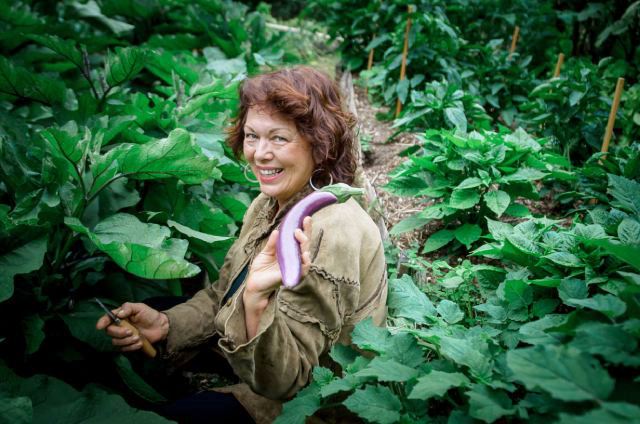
x: 498, y: 201
x: 20, y: 82
x: 369, y: 337
x: 626, y: 192
x: 81, y: 322
x: 142, y: 249
x: 409, y: 224
x: 377, y: 404
x: 564, y: 373
x: 406, y: 300
x: 91, y: 9
x: 437, y: 383
x: 629, y: 232
x: 450, y: 311
x: 176, y: 156
x: 385, y: 369
x: 22, y: 260
x: 566, y: 259
x: 468, y: 234
x: 54, y: 401
x: 135, y: 382
x: 69, y: 147
x: 15, y: 410
x: 124, y: 65
x: 609, y: 341
x: 65, y: 48
x: 608, y: 304
x: 524, y: 174
x: 627, y: 253
x: 464, y: 199
x: 437, y: 240
x: 32, y: 327
x: 487, y: 404
x: 305, y: 404
x: 456, y: 117
x: 472, y: 353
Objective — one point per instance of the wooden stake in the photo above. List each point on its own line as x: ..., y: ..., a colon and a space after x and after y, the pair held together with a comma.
x: 405, y: 51
x: 514, y: 40
x: 369, y: 65
x: 612, y: 116
x: 559, y: 63
x: 370, y: 60
x: 612, y: 120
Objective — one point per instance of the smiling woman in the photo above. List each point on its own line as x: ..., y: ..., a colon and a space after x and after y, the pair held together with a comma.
x: 294, y: 133
x: 279, y: 156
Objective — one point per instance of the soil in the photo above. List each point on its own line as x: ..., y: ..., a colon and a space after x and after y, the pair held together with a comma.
x: 380, y: 161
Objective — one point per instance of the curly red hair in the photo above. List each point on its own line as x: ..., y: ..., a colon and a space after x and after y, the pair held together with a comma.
x: 313, y: 102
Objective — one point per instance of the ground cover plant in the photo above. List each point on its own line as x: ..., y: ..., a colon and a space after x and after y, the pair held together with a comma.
x: 115, y: 181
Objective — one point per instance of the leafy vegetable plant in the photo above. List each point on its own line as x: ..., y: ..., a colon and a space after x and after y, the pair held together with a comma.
x: 557, y: 327
x: 472, y: 176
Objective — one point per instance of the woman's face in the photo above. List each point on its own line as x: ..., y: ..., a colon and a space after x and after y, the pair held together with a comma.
x: 279, y: 156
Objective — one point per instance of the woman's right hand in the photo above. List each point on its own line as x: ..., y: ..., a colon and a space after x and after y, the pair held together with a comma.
x: 153, y: 326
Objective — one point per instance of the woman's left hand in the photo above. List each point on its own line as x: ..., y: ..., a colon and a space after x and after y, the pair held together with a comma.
x: 265, y: 276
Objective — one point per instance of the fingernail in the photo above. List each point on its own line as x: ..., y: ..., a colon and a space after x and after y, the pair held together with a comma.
x: 128, y: 333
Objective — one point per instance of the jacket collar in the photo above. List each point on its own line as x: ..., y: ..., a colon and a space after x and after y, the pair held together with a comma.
x: 268, y: 218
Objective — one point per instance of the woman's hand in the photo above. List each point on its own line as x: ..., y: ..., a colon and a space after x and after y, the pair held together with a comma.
x: 153, y: 326
x: 265, y: 277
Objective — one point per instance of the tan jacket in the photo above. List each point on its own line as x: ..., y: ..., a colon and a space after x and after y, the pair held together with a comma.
x: 346, y: 283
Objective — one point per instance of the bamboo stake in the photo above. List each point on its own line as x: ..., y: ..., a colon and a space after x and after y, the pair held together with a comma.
x: 514, y: 40
x: 612, y: 116
x: 612, y: 120
x: 369, y: 66
x: 370, y: 60
x: 405, y: 51
x: 559, y: 63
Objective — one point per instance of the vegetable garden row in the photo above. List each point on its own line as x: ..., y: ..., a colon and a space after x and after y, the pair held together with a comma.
x: 116, y: 183
x: 530, y: 317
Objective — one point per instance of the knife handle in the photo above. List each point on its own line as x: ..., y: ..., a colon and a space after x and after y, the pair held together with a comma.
x: 147, y: 348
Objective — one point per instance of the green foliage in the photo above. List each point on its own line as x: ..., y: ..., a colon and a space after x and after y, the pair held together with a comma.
x: 572, y: 109
x: 115, y: 180
x: 473, y: 176
x: 44, y: 399
x: 555, y: 339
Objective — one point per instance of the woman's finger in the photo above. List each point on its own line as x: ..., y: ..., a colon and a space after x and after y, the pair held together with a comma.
x: 270, y: 247
x: 306, y: 263
x: 127, y: 341
x: 307, y: 226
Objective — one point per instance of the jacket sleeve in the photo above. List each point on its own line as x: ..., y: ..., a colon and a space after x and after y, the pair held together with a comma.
x: 192, y: 323
x: 301, y: 324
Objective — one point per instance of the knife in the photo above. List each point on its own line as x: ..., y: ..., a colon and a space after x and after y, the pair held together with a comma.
x: 147, y: 348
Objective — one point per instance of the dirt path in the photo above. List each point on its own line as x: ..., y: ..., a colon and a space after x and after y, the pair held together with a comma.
x: 383, y: 157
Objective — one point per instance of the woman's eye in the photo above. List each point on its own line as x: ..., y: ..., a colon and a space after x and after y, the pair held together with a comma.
x: 279, y: 140
x: 250, y: 136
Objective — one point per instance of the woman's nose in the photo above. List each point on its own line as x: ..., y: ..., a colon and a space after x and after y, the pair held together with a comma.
x: 263, y: 149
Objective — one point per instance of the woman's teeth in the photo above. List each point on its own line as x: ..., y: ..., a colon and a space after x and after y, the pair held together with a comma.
x: 268, y: 172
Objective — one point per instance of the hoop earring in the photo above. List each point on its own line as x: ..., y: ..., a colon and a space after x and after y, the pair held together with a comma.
x: 245, y: 170
x: 313, y: 186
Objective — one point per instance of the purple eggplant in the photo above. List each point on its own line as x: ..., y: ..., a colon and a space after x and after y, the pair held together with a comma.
x: 287, y: 247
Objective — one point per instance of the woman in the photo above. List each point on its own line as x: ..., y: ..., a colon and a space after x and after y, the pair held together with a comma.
x: 294, y: 134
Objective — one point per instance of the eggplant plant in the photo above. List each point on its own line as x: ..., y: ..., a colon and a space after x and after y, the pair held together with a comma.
x: 115, y: 180
x: 471, y: 176
x: 556, y: 339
